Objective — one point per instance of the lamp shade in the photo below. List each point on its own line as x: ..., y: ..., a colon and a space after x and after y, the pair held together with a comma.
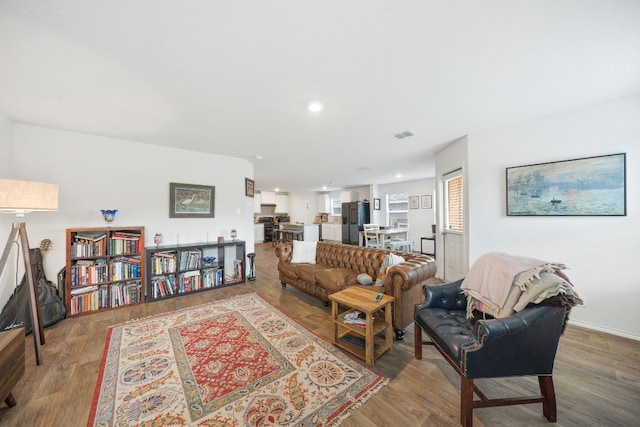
x: 27, y: 196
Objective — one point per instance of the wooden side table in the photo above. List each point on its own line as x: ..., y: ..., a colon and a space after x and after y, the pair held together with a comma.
x: 364, y: 342
x: 11, y: 362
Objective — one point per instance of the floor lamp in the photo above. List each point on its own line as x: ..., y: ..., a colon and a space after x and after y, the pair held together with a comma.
x: 20, y: 197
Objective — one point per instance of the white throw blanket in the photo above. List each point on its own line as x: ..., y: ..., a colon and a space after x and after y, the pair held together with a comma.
x: 493, y: 275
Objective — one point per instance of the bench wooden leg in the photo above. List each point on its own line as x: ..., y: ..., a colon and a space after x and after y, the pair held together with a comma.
x: 466, y: 401
x: 417, y: 341
x: 549, y: 409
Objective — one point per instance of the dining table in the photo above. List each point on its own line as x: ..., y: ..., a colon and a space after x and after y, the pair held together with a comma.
x: 387, y: 234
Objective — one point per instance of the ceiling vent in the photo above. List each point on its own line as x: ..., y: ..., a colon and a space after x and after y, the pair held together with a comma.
x: 404, y: 134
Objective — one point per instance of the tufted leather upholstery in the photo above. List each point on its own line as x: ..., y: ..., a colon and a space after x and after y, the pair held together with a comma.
x: 523, y: 344
x: 337, y: 266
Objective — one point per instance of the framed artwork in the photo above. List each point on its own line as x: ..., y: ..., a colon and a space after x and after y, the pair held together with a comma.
x: 413, y: 202
x: 591, y: 186
x: 376, y: 204
x: 191, y: 201
x: 248, y: 187
x: 426, y: 202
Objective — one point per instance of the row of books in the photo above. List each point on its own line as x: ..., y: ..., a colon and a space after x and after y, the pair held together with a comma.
x: 93, y: 298
x: 126, y: 268
x: 125, y: 243
x: 186, y: 282
x: 87, y: 272
x: 236, y: 273
x: 190, y: 260
x: 88, y: 245
x: 163, y: 263
x: 355, y: 318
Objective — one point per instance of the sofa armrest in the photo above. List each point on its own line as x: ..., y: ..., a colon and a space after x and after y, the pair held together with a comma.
x: 284, y: 252
x: 448, y: 296
x: 524, y: 343
x: 403, y: 277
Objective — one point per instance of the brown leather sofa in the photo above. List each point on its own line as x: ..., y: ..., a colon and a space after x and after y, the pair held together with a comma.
x: 338, y: 266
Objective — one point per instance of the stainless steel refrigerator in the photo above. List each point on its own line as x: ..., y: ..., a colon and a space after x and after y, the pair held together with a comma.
x: 354, y: 216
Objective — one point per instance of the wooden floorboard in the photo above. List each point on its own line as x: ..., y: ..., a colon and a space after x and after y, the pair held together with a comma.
x: 597, y: 376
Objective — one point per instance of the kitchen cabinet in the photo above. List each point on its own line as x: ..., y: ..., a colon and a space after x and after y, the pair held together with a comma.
x: 349, y: 196
x: 337, y: 232
x: 324, y: 203
x: 332, y: 231
x: 268, y: 197
x: 328, y: 231
x: 282, y: 203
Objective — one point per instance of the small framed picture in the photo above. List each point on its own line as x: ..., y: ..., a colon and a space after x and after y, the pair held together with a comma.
x: 376, y: 204
x: 413, y: 202
x: 425, y: 201
x: 248, y: 187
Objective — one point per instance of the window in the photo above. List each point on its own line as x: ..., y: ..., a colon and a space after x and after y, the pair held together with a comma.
x: 454, y: 209
x: 397, y: 209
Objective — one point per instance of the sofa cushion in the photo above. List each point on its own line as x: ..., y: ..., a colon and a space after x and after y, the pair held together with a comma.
x: 307, y: 272
x: 335, y: 279
x: 304, y: 252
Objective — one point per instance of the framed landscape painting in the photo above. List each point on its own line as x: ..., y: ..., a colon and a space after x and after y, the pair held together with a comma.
x: 591, y: 186
x: 191, y: 200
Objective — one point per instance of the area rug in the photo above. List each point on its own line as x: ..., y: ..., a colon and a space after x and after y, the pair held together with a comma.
x: 236, y: 362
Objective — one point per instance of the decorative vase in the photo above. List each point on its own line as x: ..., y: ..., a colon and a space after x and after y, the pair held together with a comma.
x: 109, y: 215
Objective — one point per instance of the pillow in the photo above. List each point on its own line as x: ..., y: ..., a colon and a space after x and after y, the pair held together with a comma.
x: 304, y: 252
x: 364, y: 279
x: 389, y: 261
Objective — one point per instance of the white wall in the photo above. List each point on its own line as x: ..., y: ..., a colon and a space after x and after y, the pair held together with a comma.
x: 103, y: 173
x: 7, y: 281
x: 601, y: 252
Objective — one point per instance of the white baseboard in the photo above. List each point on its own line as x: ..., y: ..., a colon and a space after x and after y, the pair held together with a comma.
x: 623, y: 334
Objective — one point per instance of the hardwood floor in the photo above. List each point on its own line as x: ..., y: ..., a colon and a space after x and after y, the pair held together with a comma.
x: 597, y: 376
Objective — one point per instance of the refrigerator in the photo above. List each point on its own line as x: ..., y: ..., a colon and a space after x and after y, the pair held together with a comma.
x: 354, y: 216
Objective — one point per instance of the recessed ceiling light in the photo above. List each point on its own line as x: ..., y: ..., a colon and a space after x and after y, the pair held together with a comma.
x: 399, y: 175
x: 258, y: 157
x: 315, y: 107
x: 324, y: 187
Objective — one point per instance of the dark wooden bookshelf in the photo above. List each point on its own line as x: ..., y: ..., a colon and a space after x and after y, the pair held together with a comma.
x: 187, y: 268
x: 105, y: 269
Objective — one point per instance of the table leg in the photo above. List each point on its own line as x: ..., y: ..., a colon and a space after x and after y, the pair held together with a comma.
x: 368, y: 340
x: 388, y: 338
x: 334, y: 317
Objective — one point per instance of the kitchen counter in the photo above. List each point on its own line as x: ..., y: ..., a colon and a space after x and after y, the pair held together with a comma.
x: 310, y: 232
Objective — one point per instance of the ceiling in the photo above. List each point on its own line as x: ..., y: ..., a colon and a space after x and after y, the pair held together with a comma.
x: 235, y: 77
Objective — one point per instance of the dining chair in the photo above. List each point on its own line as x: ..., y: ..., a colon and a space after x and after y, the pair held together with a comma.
x: 372, y: 238
x: 398, y: 243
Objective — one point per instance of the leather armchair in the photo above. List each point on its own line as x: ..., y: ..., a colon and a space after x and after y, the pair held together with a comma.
x: 523, y: 344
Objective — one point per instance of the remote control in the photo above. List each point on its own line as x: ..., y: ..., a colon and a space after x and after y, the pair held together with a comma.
x: 379, y: 296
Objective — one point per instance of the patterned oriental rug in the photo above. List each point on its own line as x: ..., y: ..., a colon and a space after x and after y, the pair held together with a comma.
x: 237, y: 362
